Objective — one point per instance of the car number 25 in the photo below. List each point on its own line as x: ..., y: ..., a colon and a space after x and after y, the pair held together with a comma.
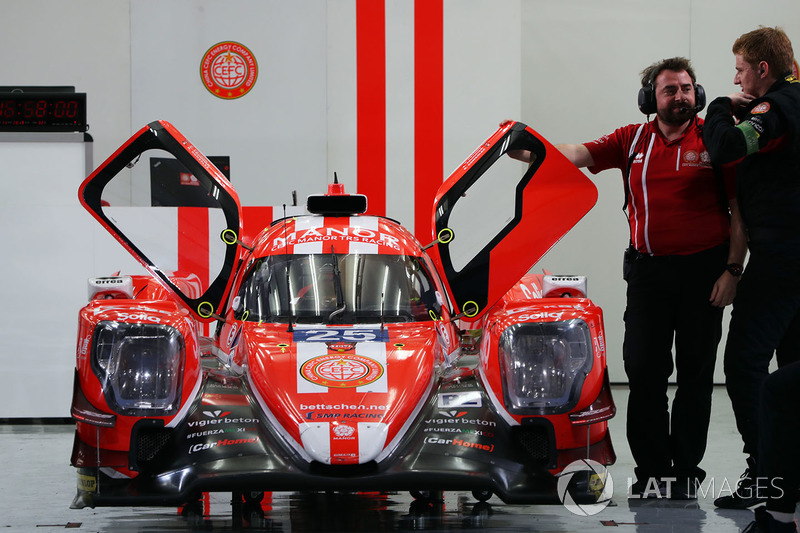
x: 341, y: 335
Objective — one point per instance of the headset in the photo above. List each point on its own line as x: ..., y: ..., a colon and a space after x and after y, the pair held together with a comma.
x: 647, y: 97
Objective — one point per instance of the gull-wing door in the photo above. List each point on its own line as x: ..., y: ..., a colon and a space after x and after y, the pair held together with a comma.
x: 174, y: 211
x: 494, y: 218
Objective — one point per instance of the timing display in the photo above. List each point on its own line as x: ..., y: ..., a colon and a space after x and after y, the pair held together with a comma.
x: 43, y: 112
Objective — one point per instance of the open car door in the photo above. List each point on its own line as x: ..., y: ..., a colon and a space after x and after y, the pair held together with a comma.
x: 173, y: 210
x: 492, y: 224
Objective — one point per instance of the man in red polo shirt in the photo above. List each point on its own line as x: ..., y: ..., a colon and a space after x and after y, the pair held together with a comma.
x: 682, y: 267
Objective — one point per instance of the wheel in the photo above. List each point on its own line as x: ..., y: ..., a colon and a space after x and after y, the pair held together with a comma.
x: 482, y: 495
x: 253, y: 496
x: 427, y: 495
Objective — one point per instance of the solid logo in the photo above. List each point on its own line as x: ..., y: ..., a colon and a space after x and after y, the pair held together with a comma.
x: 343, y: 431
x: 341, y: 346
x: 586, y: 480
x: 229, y: 70
x: 760, y: 109
x: 216, y: 414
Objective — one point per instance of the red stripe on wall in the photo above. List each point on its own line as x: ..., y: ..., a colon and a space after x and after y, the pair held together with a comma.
x: 371, y: 102
x: 255, y: 219
x: 193, y: 246
x: 428, y: 111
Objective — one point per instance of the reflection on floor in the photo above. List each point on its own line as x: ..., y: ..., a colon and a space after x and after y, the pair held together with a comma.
x: 37, y: 485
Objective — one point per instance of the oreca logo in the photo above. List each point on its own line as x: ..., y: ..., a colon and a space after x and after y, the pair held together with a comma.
x: 585, y: 487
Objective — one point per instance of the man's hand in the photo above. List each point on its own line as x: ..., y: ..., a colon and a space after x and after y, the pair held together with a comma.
x: 739, y: 101
x: 724, y: 290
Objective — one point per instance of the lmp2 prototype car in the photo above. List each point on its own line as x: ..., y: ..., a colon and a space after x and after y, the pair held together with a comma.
x: 326, y: 352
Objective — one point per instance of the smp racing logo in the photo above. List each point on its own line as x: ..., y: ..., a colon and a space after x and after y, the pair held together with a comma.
x: 229, y: 70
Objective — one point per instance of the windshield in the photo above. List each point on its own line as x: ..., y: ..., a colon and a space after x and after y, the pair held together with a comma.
x: 337, y: 289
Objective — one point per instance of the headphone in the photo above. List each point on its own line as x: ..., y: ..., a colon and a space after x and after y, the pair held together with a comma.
x: 647, y: 97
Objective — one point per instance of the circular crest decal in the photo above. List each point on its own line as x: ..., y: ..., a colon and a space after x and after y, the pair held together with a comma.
x: 761, y: 108
x: 229, y: 70
x: 341, y: 370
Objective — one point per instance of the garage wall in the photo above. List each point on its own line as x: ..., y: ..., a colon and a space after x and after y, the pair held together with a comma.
x: 569, y: 69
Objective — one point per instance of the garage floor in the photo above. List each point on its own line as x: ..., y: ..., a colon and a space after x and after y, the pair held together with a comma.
x: 37, y: 486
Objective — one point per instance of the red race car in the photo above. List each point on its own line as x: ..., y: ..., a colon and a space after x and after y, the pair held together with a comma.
x: 326, y: 352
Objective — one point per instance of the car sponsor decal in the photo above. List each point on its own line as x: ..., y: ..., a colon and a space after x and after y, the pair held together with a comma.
x: 448, y: 400
x: 343, y: 335
x: 87, y: 483
x: 344, y: 443
x: 460, y: 443
x: 341, y: 346
x: 311, y: 235
x: 320, y: 370
x: 341, y: 370
x: 223, y: 442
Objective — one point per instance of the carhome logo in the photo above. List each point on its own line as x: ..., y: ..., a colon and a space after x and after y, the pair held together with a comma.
x: 585, y: 487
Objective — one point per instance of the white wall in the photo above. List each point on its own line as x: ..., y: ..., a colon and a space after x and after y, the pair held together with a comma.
x: 569, y: 69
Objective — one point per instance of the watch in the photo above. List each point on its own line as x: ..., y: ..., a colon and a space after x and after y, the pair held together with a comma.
x: 735, y: 269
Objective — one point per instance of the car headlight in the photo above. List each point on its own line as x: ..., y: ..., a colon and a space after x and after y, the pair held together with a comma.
x: 140, y: 366
x: 544, y: 364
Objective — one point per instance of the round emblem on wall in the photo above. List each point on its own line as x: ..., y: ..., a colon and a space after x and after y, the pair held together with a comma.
x: 229, y: 70
x: 340, y: 370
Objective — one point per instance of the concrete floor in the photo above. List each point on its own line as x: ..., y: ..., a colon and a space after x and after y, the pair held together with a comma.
x: 37, y: 486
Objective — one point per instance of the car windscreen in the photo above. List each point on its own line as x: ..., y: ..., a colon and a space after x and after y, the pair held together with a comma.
x: 337, y: 289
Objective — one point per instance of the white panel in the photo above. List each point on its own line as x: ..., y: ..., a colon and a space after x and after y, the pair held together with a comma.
x: 82, y: 43
x: 341, y: 93
x: 316, y: 439
x: 400, y: 112
x: 275, y: 134
x: 481, y: 73
x: 26, y: 166
x: 377, y: 352
x: 371, y: 440
x: 43, y: 293
x: 306, y: 351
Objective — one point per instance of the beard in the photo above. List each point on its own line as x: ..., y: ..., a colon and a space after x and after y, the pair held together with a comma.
x: 676, y: 115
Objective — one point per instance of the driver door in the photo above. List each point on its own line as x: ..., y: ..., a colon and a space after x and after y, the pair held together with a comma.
x: 192, y: 227
x: 494, y: 219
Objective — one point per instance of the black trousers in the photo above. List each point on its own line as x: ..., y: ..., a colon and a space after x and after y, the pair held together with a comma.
x: 779, y: 428
x: 765, y: 321
x: 668, y: 301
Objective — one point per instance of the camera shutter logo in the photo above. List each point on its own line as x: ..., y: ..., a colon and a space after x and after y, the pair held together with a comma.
x: 596, y: 481
x: 229, y: 70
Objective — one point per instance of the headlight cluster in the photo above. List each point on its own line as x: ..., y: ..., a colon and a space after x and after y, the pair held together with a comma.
x: 139, y: 366
x: 544, y: 364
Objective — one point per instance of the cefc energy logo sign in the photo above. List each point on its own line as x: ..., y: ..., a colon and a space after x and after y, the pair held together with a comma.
x: 229, y: 70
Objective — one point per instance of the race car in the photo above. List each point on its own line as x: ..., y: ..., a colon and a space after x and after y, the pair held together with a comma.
x: 332, y: 350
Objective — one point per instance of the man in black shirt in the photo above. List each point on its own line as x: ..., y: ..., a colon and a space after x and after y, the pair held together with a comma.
x: 759, y: 130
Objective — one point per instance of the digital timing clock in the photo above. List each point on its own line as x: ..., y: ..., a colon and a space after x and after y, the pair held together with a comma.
x: 57, y: 111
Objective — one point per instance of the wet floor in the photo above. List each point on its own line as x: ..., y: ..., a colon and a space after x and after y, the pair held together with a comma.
x: 37, y: 485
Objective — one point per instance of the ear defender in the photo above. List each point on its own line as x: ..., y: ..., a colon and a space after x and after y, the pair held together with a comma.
x: 699, y: 97
x: 647, y: 98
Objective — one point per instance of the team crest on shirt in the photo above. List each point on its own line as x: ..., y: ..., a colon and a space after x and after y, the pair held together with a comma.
x: 761, y: 108
x: 693, y: 158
